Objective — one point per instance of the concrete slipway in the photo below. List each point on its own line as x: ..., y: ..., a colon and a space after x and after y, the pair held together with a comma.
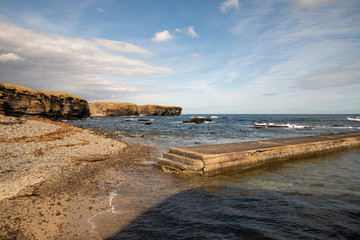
x: 210, y: 160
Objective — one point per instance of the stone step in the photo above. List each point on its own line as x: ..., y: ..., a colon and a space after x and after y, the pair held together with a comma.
x: 189, y: 161
x: 180, y: 165
x: 186, y: 153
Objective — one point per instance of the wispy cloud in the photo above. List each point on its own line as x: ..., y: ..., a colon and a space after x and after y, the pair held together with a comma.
x: 330, y: 78
x: 123, y: 47
x: 55, y: 62
x: 100, y: 10
x: 229, y: 5
x: 190, y: 31
x: 166, y: 35
x: 313, y: 4
x: 291, y: 48
x: 162, y: 36
x: 195, y: 55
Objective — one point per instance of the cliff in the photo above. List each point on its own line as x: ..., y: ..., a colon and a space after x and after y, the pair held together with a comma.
x: 159, y: 110
x: 16, y: 100
x: 113, y: 109
x: 130, y: 109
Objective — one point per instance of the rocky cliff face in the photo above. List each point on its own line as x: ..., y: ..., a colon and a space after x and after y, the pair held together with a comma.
x: 17, y: 100
x: 130, y: 109
x: 113, y: 109
x: 159, y: 110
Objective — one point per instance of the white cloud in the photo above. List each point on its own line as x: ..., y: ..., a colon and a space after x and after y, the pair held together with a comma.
x: 10, y: 57
x: 100, y: 10
x: 191, y: 32
x: 122, y: 47
x: 229, y: 5
x: 195, y: 55
x: 162, y: 36
x: 75, y: 65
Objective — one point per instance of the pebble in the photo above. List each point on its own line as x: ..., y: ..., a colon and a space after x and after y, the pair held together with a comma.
x: 30, y: 162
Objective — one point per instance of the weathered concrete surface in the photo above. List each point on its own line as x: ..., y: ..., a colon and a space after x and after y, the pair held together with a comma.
x: 210, y: 160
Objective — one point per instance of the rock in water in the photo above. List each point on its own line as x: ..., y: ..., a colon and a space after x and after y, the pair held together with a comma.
x: 198, y: 120
x: 16, y: 100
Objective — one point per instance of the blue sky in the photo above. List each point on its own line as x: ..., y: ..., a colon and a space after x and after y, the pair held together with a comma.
x: 207, y: 56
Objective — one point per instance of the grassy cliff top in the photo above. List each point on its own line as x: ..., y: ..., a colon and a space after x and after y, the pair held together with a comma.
x: 154, y: 105
x: 127, y: 103
x: 112, y: 103
x: 23, y: 89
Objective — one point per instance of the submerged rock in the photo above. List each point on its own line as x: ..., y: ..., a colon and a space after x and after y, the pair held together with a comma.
x: 136, y: 135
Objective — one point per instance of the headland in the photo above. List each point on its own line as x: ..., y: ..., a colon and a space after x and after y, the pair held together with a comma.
x: 129, y: 109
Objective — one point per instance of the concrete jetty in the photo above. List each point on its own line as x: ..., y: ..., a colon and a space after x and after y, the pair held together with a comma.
x: 208, y: 160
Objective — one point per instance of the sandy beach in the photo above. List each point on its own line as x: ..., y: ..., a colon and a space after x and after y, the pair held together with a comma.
x: 64, y: 182
x: 55, y: 179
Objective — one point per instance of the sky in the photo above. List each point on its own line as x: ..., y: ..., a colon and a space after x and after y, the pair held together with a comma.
x: 206, y: 56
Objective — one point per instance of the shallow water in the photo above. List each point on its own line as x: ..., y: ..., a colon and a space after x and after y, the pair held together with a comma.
x: 170, y: 131
x: 317, y: 198
x: 310, y: 198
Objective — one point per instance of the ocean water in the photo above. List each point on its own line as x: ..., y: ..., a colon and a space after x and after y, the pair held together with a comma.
x: 310, y: 198
x: 226, y: 128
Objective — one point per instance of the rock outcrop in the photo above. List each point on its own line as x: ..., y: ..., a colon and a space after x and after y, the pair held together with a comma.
x: 198, y: 120
x: 130, y: 109
x: 113, y: 109
x: 16, y: 100
x: 159, y: 110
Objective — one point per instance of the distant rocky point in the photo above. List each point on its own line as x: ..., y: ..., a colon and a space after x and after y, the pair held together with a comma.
x: 130, y: 109
x: 16, y: 100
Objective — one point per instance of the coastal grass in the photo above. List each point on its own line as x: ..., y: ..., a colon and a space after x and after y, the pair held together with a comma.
x: 23, y: 89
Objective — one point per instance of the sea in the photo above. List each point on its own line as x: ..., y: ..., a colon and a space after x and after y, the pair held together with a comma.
x: 309, y: 198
